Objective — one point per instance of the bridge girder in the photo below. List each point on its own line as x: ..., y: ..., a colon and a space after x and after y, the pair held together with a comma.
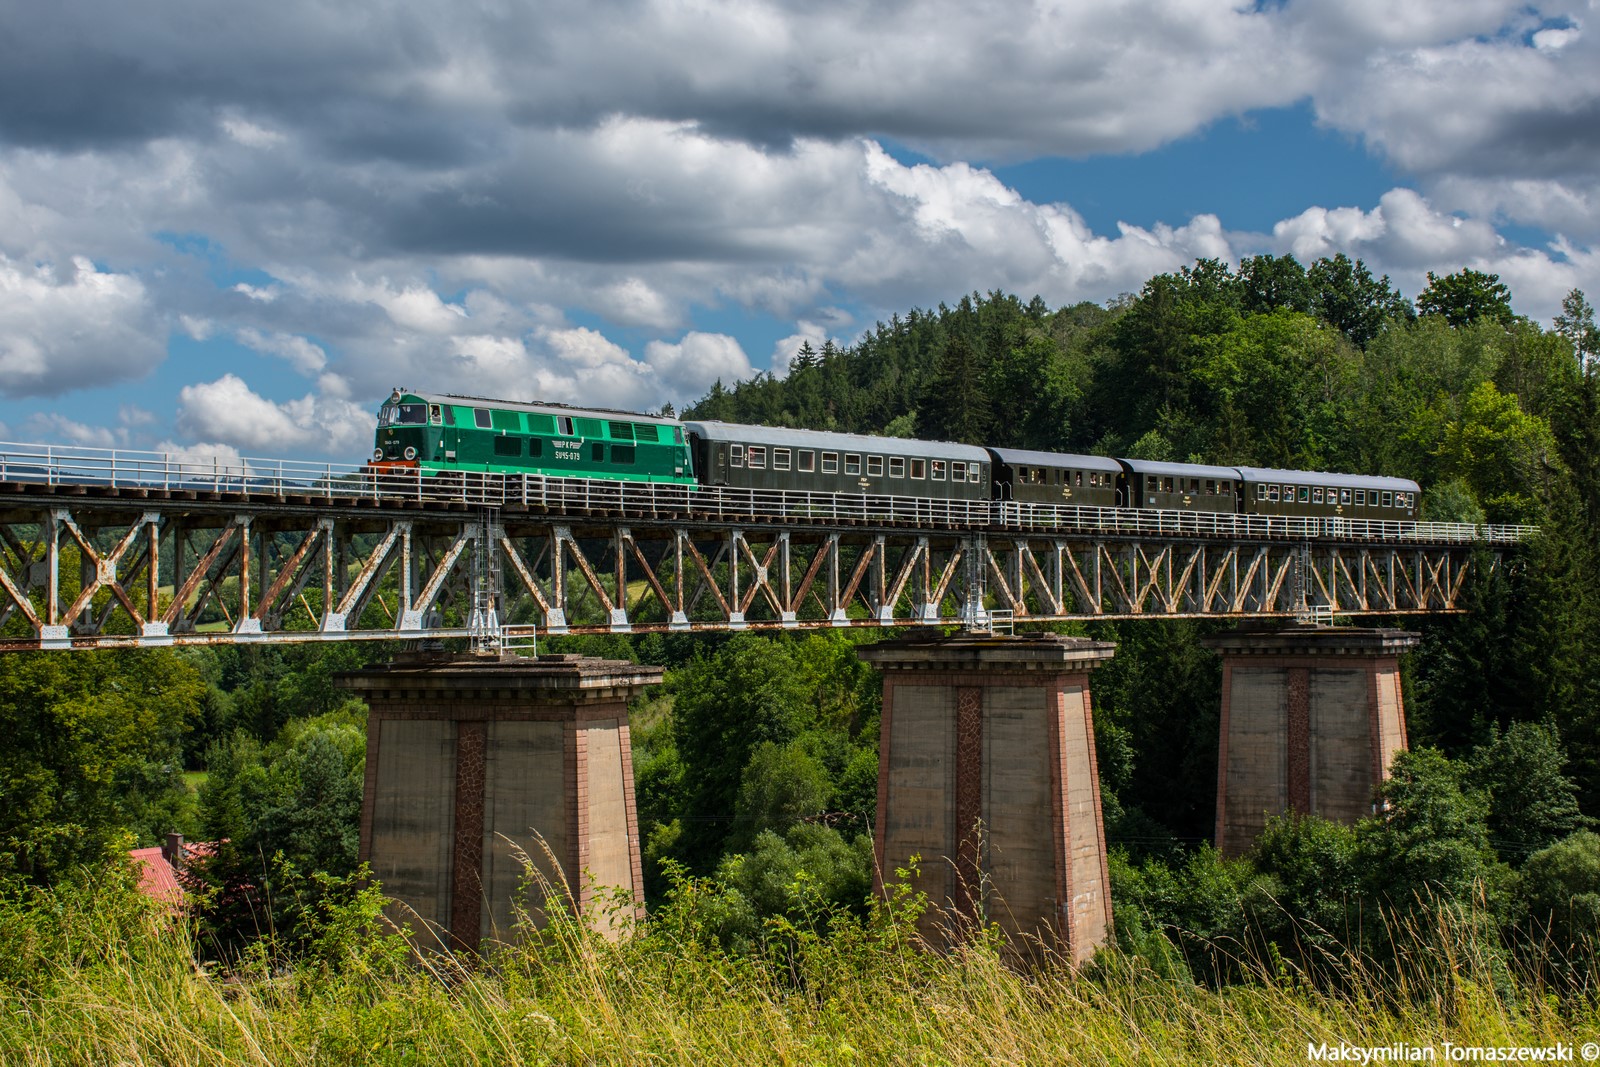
x: 84, y: 572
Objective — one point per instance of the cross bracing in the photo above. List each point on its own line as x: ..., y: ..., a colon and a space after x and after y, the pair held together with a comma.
x: 488, y: 558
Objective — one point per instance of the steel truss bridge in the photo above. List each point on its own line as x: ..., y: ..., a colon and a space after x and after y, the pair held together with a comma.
x: 103, y: 549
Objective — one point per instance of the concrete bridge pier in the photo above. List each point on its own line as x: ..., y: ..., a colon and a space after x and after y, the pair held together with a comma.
x: 1311, y: 718
x: 471, y: 761
x: 986, y: 770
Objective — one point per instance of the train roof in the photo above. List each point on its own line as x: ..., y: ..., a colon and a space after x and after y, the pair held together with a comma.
x: 1014, y: 457
x: 1182, y: 470
x: 542, y: 407
x: 1342, y: 481
x: 780, y: 435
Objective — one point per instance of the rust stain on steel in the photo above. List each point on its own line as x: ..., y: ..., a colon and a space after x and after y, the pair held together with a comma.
x: 196, y: 576
x: 287, y: 573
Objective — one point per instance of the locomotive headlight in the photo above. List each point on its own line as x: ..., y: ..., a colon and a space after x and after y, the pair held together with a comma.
x: 411, y: 453
x: 377, y: 453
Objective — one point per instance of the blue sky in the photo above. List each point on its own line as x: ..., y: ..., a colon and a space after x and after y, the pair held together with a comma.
x: 235, y: 238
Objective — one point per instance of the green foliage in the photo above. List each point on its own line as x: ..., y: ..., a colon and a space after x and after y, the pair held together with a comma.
x: 1452, y: 501
x: 287, y: 819
x: 1576, y: 326
x: 93, y: 746
x: 1559, y: 893
x: 1157, y: 711
x: 1486, y: 440
x: 1429, y: 842
x: 1348, y: 298
x: 1532, y: 804
x: 1466, y: 297
x: 1302, y: 906
x: 805, y: 878
x: 781, y: 786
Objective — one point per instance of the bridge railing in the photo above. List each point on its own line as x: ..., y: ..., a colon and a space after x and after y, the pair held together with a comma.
x: 129, y: 469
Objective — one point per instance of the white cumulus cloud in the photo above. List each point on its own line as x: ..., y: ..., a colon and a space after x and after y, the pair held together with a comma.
x: 229, y: 412
x: 88, y: 327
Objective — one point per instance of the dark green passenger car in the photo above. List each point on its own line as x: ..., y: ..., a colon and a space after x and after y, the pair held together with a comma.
x: 770, y: 457
x: 435, y: 432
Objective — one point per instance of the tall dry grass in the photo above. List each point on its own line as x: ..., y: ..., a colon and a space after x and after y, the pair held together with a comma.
x: 92, y: 977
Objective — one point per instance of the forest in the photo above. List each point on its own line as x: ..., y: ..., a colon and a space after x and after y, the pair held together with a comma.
x: 756, y: 762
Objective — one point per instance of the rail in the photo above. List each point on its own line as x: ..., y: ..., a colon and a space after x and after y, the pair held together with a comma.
x: 123, y: 469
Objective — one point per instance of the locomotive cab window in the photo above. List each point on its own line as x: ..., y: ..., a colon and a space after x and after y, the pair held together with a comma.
x: 780, y: 459
x: 404, y: 414
x: 937, y: 470
x: 875, y: 466
x: 736, y: 455
x: 481, y: 418
x: 830, y: 463
x: 435, y: 414
x: 757, y: 456
x: 564, y: 425
x: 852, y: 463
x: 919, y: 468
x: 808, y: 461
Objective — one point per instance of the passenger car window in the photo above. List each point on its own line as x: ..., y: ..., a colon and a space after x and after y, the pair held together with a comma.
x: 938, y: 470
x: 897, y: 466
x: 852, y: 463
x: 875, y: 466
x: 830, y: 463
x: 780, y: 459
x: 919, y: 468
x: 808, y: 461
x: 736, y: 455
x: 756, y: 455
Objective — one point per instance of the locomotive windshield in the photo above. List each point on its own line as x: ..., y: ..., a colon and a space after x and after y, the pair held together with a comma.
x: 403, y: 414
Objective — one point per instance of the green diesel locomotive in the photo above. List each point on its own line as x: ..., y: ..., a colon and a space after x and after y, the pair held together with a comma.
x: 434, y: 432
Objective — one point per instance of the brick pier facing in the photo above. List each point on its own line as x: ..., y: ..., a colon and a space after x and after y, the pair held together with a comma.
x: 986, y: 769
x: 1311, y: 718
x: 471, y: 760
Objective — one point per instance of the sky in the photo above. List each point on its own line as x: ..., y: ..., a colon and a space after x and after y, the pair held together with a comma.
x: 232, y: 229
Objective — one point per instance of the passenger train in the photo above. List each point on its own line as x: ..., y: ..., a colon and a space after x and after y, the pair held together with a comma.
x: 430, y: 434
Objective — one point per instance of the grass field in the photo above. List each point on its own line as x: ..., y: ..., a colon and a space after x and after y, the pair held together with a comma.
x: 110, y: 982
